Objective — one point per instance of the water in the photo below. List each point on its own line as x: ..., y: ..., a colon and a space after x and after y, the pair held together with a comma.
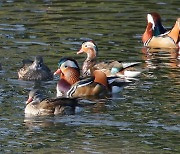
x: 143, y: 118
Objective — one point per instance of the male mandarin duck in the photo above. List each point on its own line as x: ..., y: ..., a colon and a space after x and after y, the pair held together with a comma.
x: 156, y: 36
x: 111, y: 68
x: 34, y: 71
x: 71, y: 85
x: 37, y: 105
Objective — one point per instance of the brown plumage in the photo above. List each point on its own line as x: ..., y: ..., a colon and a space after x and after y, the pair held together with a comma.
x: 38, y: 105
x: 110, y: 68
x: 35, y: 71
x: 69, y: 77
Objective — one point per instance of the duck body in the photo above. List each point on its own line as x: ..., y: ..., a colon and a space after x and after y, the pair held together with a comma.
x: 37, y: 105
x: 71, y: 85
x: 156, y: 36
x: 110, y: 68
x: 35, y: 71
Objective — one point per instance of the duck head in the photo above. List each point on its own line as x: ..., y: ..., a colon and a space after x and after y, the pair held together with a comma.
x: 37, y: 64
x: 90, y: 48
x: 68, y: 70
x: 157, y: 27
x: 34, y: 96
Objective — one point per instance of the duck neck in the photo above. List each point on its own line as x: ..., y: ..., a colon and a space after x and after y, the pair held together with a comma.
x: 159, y: 29
x: 71, y: 76
x: 148, y: 33
x: 91, y: 55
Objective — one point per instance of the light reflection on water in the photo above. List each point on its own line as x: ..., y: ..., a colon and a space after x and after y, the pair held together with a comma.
x: 143, y: 118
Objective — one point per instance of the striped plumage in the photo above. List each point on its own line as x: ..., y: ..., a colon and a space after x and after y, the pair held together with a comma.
x: 71, y: 85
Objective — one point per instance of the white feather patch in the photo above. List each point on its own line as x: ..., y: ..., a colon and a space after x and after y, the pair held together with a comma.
x: 151, y: 20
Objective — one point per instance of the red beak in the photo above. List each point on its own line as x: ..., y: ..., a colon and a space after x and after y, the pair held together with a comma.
x: 29, y: 100
x: 58, y: 71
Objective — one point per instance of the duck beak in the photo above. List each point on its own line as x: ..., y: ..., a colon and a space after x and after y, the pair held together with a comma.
x: 29, y: 100
x: 58, y: 71
x: 80, y: 51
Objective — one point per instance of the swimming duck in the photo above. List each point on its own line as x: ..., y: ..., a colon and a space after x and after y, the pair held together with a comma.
x: 71, y: 85
x: 35, y: 71
x: 111, y: 68
x: 156, y: 36
x: 37, y: 105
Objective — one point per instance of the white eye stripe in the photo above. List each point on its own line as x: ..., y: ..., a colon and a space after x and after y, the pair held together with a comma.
x: 89, y: 44
x: 70, y: 63
x: 151, y: 20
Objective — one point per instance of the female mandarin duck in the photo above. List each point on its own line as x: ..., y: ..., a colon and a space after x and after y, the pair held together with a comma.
x: 112, y: 68
x: 71, y: 85
x: 35, y: 71
x: 38, y: 105
x: 156, y: 36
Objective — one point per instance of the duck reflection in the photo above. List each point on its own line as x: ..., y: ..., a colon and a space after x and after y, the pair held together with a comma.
x: 167, y: 57
x: 38, y: 122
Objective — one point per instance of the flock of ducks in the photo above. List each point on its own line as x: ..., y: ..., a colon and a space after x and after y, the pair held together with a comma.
x: 94, y: 79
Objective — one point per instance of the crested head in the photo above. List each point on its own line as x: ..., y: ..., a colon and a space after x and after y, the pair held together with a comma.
x: 68, y: 62
x: 90, y: 48
x: 157, y: 26
x: 68, y: 69
x: 153, y: 18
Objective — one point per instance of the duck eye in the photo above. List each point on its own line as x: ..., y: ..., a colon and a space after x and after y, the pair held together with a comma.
x: 86, y: 46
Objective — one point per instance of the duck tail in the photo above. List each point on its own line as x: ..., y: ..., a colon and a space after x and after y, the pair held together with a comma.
x: 174, y: 33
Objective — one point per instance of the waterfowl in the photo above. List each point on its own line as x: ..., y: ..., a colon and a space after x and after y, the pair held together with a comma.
x: 37, y: 105
x: 71, y: 85
x: 156, y: 36
x: 35, y: 71
x: 111, y: 68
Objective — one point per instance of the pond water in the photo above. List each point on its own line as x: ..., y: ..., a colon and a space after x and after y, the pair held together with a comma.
x: 143, y: 118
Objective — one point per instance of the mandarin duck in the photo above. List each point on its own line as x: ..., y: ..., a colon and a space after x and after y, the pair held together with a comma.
x: 35, y: 71
x: 156, y: 36
x: 37, y: 105
x: 111, y: 68
x: 71, y: 85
